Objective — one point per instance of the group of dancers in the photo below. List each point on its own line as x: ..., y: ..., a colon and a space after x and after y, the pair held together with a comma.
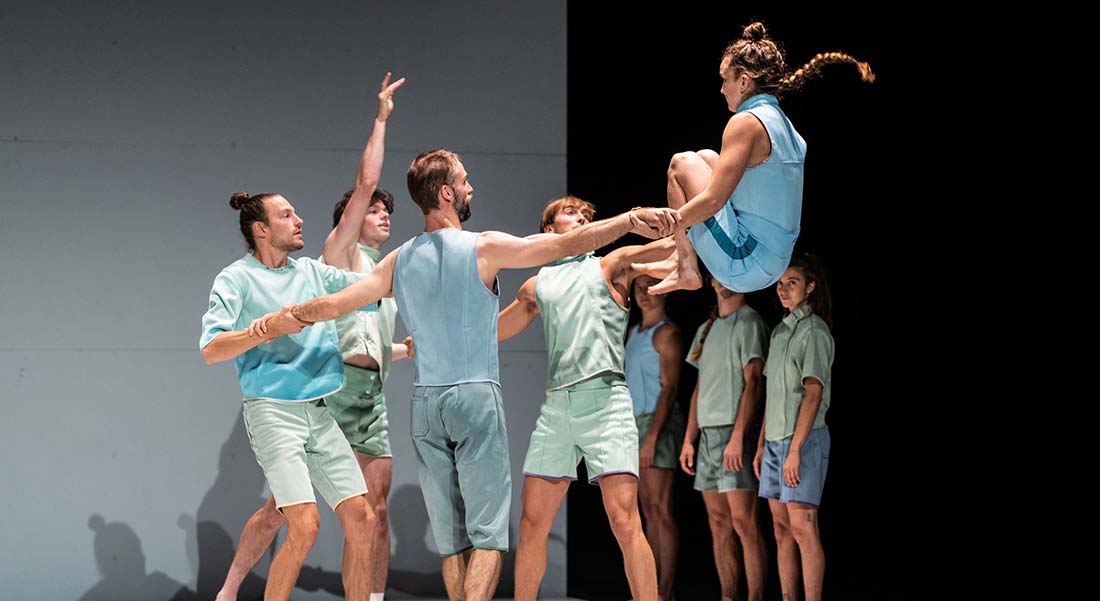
x: 313, y: 344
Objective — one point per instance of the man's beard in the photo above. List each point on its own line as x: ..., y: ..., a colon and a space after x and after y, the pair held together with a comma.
x: 462, y: 207
x: 289, y: 246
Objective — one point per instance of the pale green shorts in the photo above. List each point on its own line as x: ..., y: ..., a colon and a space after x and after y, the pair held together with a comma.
x: 711, y: 474
x: 667, y: 455
x: 299, y: 446
x: 461, y: 446
x: 593, y: 420
x: 360, y: 410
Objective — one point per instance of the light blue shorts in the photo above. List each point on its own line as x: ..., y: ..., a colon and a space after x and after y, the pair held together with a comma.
x: 811, y: 470
x: 461, y: 446
x: 733, y: 253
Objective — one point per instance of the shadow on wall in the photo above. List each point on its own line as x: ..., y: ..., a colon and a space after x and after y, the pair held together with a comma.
x: 121, y: 565
x: 408, y: 528
x: 237, y: 493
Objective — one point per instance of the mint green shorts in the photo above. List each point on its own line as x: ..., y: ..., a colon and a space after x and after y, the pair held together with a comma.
x: 299, y: 446
x: 593, y: 420
x: 461, y: 446
x: 360, y: 410
x: 667, y: 455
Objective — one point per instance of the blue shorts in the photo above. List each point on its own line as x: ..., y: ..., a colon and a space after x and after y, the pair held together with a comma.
x: 811, y: 471
x: 733, y: 253
x: 461, y: 446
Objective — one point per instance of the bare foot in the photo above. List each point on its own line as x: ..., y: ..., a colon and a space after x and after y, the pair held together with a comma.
x: 657, y: 269
x: 226, y: 596
x: 680, y: 279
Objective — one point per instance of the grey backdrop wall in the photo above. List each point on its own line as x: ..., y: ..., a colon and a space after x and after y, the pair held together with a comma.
x: 124, y: 128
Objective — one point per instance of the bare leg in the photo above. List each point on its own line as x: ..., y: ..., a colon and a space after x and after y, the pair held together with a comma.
x: 378, y: 472
x: 806, y: 534
x: 541, y: 499
x: 721, y: 534
x: 482, y: 574
x: 620, y: 500
x: 660, y: 526
x: 302, y: 522
x: 454, y: 574
x: 790, y: 567
x: 359, y: 524
x: 742, y: 507
x: 258, y: 534
x: 688, y: 175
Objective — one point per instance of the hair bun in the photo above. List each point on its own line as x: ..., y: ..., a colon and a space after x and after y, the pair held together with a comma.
x: 237, y: 200
x: 96, y: 522
x: 754, y: 32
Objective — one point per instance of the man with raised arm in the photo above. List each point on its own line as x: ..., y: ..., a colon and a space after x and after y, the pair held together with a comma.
x: 360, y: 227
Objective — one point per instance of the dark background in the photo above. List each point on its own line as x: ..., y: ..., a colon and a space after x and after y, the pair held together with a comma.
x: 645, y: 85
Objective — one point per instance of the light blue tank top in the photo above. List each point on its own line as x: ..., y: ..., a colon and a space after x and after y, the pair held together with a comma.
x: 450, y: 314
x: 768, y: 199
x: 643, y: 368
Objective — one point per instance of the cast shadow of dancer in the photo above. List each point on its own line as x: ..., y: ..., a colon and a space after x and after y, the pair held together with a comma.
x: 121, y: 564
x: 414, y: 569
x: 236, y: 494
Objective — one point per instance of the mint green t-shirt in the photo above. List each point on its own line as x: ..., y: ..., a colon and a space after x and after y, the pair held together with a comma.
x: 732, y: 342
x: 801, y: 347
x: 295, y: 367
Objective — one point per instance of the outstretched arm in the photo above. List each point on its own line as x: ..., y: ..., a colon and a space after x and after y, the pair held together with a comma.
x: 377, y: 284
x: 497, y: 250
x: 517, y: 316
x: 742, y: 133
x: 340, y: 247
x: 230, y: 345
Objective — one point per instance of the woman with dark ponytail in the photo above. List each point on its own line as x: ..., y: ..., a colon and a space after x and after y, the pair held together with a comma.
x: 792, y: 454
x: 728, y: 351
x: 748, y: 198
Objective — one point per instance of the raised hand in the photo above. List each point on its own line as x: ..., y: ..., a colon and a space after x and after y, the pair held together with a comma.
x: 385, y: 97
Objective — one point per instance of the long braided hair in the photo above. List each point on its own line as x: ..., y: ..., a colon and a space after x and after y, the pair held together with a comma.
x: 697, y: 352
x: 762, y: 60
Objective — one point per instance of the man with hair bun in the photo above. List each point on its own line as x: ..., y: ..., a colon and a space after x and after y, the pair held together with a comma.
x: 288, y: 384
x: 360, y: 226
